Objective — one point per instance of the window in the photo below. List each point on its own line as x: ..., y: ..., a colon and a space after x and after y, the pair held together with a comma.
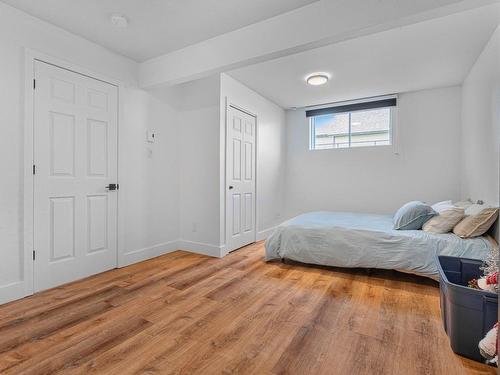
x: 367, y: 123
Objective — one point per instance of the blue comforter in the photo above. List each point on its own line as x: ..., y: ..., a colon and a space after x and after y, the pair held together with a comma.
x: 344, y: 239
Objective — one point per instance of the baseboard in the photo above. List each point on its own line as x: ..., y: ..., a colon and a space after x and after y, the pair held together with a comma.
x: 263, y: 234
x: 17, y: 290
x: 13, y: 291
x: 147, y: 253
x: 201, y: 248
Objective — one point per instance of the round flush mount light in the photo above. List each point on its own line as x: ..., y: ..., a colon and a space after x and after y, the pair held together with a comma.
x: 119, y: 20
x: 317, y: 79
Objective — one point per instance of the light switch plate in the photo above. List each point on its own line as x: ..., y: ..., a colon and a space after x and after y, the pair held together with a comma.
x: 151, y: 136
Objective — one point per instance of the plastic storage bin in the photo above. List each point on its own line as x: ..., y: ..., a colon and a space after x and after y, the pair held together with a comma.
x: 468, y: 314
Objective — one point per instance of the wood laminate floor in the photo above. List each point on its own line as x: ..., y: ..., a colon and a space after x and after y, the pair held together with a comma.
x: 189, y: 314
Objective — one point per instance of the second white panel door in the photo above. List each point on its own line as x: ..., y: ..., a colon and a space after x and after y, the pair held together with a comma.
x: 75, y: 151
x: 240, y: 178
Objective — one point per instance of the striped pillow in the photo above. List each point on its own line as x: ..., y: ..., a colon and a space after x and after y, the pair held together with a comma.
x: 476, y: 225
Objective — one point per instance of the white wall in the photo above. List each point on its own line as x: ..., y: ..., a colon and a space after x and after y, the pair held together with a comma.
x: 375, y: 179
x: 149, y: 178
x: 199, y: 166
x: 197, y: 106
x: 200, y: 107
x: 199, y: 180
x: 481, y: 126
x: 153, y: 208
x: 270, y: 153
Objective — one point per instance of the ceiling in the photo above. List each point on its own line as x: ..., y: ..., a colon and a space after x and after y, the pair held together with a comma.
x: 156, y: 26
x: 434, y: 53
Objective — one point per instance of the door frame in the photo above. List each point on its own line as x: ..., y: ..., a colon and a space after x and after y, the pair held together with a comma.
x: 30, y: 58
x: 228, y: 104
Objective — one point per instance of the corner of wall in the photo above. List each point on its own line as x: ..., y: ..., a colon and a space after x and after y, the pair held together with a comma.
x: 481, y: 126
x: 146, y: 253
x: 271, y: 153
x: 216, y: 251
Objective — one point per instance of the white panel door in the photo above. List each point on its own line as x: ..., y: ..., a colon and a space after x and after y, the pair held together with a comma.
x: 240, y: 179
x: 75, y: 154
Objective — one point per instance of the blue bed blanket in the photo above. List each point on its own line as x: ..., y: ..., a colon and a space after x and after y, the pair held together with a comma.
x: 344, y: 239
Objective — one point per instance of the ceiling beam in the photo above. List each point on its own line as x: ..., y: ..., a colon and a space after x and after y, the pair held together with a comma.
x: 321, y: 23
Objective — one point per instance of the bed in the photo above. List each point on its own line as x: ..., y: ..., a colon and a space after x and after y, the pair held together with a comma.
x: 344, y: 239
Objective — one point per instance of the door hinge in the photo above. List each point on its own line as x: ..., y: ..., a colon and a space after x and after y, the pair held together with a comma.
x: 34, y: 168
x: 34, y: 84
x: 34, y: 256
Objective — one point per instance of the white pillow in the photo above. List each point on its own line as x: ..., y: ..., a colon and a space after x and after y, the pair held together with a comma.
x: 463, y: 204
x: 475, y: 209
x: 440, y: 206
x: 445, y: 221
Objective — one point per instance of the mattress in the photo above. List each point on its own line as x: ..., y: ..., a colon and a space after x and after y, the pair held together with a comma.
x: 343, y: 239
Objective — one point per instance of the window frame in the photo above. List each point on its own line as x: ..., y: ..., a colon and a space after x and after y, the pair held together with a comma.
x: 393, y: 111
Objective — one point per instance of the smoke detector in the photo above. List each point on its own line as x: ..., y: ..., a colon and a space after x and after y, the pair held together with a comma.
x: 119, y: 21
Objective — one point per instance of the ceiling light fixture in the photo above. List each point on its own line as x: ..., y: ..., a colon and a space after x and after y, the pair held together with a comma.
x: 119, y: 21
x: 317, y: 79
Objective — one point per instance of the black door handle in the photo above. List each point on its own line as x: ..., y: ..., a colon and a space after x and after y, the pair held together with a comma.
x: 113, y: 187
x: 231, y: 187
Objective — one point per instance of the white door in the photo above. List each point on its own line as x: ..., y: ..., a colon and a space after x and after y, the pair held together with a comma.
x: 240, y: 178
x: 75, y: 159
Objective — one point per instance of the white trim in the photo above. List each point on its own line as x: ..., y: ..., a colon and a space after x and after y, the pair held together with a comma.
x: 396, y: 146
x: 28, y: 181
x: 202, y: 248
x: 235, y: 106
x: 27, y: 267
x: 223, y: 251
x: 222, y: 173
x: 122, y: 145
x: 13, y: 291
x: 348, y: 102
x: 146, y: 253
x: 32, y: 54
x: 263, y: 234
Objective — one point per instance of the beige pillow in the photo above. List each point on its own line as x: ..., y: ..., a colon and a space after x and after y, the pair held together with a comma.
x: 445, y: 221
x: 476, y: 225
